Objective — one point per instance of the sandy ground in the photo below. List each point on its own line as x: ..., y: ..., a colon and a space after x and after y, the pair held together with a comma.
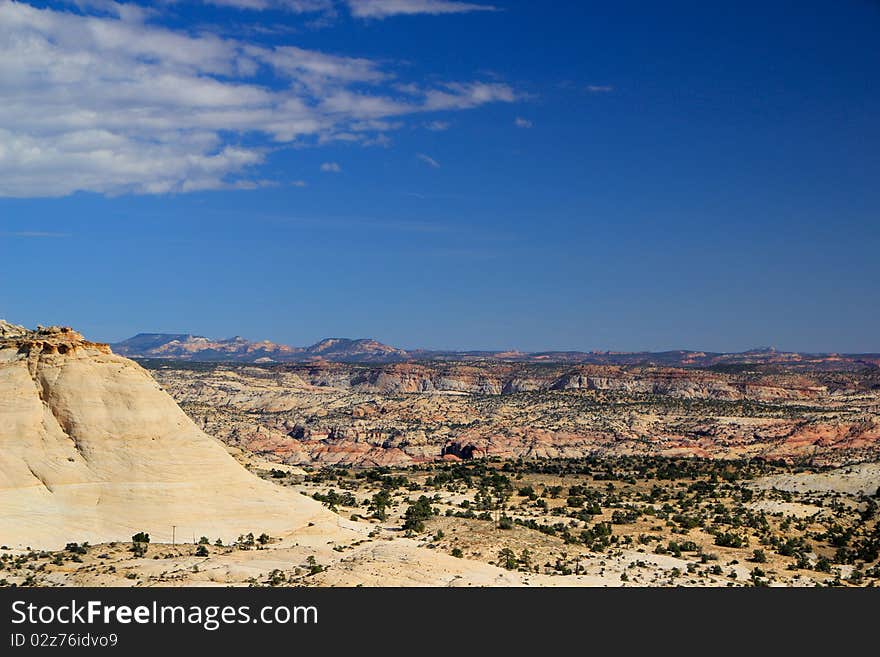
x: 364, y: 561
x: 861, y: 479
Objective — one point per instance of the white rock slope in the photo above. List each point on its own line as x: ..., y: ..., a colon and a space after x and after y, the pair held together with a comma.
x: 91, y: 449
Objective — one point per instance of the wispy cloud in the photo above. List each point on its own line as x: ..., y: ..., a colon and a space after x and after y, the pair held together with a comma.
x: 385, y: 8
x: 600, y: 88
x: 520, y: 122
x: 358, y: 8
x: 331, y: 167
x: 430, y: 161
x: 433, y: 196
x: 103, y: 100
x: 438, y: 126
x: 295, y: 6
x: 35, y: 234
x: 299, y: 183
x: 366, y: 223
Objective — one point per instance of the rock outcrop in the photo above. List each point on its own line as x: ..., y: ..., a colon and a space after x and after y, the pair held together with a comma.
x: 408, y: 413
x: 92, y: 449
x: 8, y: 330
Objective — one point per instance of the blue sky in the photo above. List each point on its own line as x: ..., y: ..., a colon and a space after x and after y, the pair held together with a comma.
x: 559, y: 175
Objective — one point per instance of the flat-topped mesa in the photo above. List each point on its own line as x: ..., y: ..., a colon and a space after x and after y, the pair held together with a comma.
x: 46, y: 340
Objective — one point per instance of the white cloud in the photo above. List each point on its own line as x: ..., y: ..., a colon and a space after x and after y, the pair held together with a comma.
x: 108, y: 102
x: 316, y: 70
x: 35, y: 234
x: 430, y: 161
x: 600, y: 88
x: 375, y: 126
x: 438, y: 126
x: 466, y: 96
x: 384, y: 8
x: 331, y: 167
x: 520, y: 122
x: 381, y: 139
x: 295, y: 6
x: 357, y: 8
x: 299, y: 183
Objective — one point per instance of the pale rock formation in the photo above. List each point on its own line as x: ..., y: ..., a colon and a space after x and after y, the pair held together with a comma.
x: 92, y: 449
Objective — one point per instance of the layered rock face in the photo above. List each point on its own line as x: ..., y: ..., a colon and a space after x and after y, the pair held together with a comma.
x: 502, y: 378
x: 408, y: 413
x: 91, y: 449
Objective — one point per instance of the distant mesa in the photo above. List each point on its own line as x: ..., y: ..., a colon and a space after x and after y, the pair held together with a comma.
x: 184, y: 346
x: 199, y: 348
x: 344, y: 349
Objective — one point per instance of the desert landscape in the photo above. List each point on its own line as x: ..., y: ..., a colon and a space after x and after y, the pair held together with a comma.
x: 497, y: 470
x: 313, y: 309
